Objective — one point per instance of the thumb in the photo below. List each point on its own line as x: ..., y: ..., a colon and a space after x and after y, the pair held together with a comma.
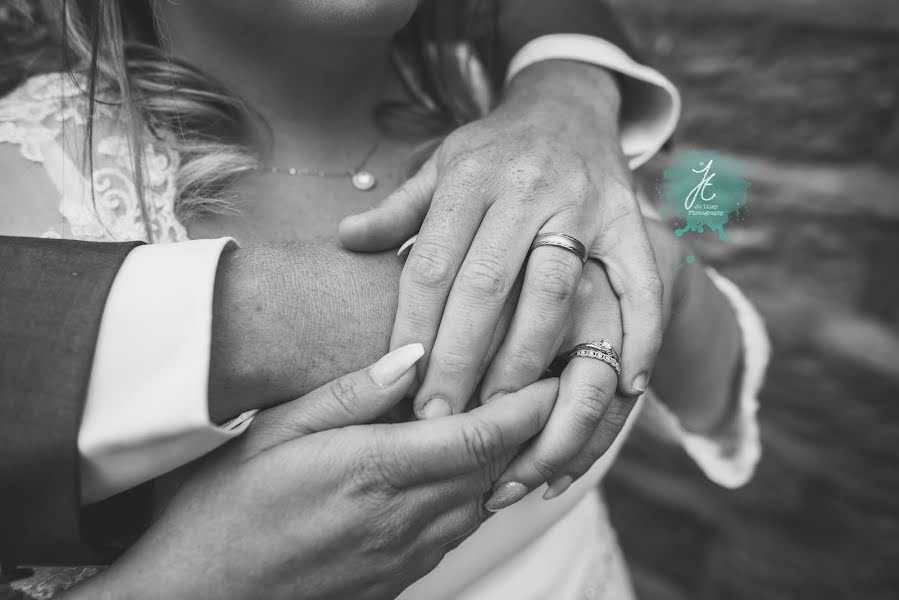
x: 398, y: 218
x: 354, y: 399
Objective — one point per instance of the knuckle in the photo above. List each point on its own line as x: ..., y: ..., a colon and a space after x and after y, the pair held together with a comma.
x: 362, y: 472
x: 547, y: 466
x: 558, y: 281
x: 344, y: 396
x: 485, y: 276
x: 430, y: 267
x: 449, y: 363
x: 468, y: 164
x: 481, y: 440
x: 529, y: 174
x: 526, y: 358
x: 591, y: 400
x: 378, y: 471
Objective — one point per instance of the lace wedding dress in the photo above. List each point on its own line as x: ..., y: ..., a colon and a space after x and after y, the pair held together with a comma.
x: 560, y: 550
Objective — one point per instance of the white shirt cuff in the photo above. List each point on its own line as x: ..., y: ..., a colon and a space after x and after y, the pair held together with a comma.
x: 650, y: 105
x: 146, y: 411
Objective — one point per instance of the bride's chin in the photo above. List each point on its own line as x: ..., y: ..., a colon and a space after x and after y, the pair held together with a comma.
x: 356, y: 18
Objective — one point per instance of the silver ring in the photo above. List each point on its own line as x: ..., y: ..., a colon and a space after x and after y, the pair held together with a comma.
x: 561, y: 240
x: 596, y: 349
x: 597, y: 355
x: 603, y: 345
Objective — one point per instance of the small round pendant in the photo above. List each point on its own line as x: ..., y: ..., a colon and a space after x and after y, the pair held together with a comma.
x: 363, y: 181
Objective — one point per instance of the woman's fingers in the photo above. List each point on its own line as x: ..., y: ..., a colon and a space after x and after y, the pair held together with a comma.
x: 623, y: 247
x: 551, y: 279
x: 440, y: 449
x: 398, y: 217
x: 586, y: 390
x: 603, y: 437
x: 353, y: 399
x: 452, y: 527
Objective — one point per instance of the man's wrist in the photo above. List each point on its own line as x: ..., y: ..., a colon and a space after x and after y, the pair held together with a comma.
x: 291, y: 317
x: 585, y: 92
x: 231, y: 372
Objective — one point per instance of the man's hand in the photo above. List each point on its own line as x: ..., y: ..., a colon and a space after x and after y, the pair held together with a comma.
x: 547, y: 160
x: 312, y: 503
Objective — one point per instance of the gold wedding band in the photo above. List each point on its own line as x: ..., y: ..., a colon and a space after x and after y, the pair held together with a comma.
x: 561, y: 240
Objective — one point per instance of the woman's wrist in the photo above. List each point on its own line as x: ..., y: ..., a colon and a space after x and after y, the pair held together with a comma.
x: 699, y: 363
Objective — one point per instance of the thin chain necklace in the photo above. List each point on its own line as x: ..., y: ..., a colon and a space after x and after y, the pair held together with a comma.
x: 362, y: 179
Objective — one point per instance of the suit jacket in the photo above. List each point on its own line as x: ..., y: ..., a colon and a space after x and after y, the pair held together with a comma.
x: 52, y: 295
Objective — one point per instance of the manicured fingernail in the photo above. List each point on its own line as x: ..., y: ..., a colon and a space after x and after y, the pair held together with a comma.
x: 394, y: 365
x: 558, y: 487
x: 407, y: 245
x: 640, y: 382
x: 435, y: 408
x: 505, y: 495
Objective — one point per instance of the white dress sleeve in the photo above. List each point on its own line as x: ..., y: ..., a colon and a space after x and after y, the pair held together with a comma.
x: 728, y: 458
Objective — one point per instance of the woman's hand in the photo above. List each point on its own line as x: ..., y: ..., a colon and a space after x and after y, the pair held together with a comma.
x: 312, y: 503
x: 589, y: 414
x: 547, y: 160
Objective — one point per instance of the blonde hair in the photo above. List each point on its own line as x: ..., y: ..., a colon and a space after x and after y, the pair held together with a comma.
x: 114, y: 45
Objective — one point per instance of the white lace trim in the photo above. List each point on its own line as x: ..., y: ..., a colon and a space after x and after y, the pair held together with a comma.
x: 34, y: 117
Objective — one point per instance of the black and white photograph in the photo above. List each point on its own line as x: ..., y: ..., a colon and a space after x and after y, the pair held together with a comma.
x: 449, y: 299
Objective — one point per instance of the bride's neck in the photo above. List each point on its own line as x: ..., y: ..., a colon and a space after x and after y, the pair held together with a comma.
x: 303, y: 85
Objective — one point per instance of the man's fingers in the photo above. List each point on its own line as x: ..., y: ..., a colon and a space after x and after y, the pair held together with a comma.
x: 627, y: 255
x: 398, y: 218
x: 479, y: 293
x: 551, y: 279
x: 434, y: 260
x: 354, y: 399
x: 439, y: 449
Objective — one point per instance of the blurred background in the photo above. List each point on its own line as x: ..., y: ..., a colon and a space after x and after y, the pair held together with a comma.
x: 806, y: 94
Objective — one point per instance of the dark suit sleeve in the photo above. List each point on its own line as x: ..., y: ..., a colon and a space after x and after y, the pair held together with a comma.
x: 52, y: 296
x: 521, y: 21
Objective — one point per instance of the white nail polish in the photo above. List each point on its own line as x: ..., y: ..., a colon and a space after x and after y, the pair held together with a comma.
x: 393, y: 365
x: 407, y: 246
